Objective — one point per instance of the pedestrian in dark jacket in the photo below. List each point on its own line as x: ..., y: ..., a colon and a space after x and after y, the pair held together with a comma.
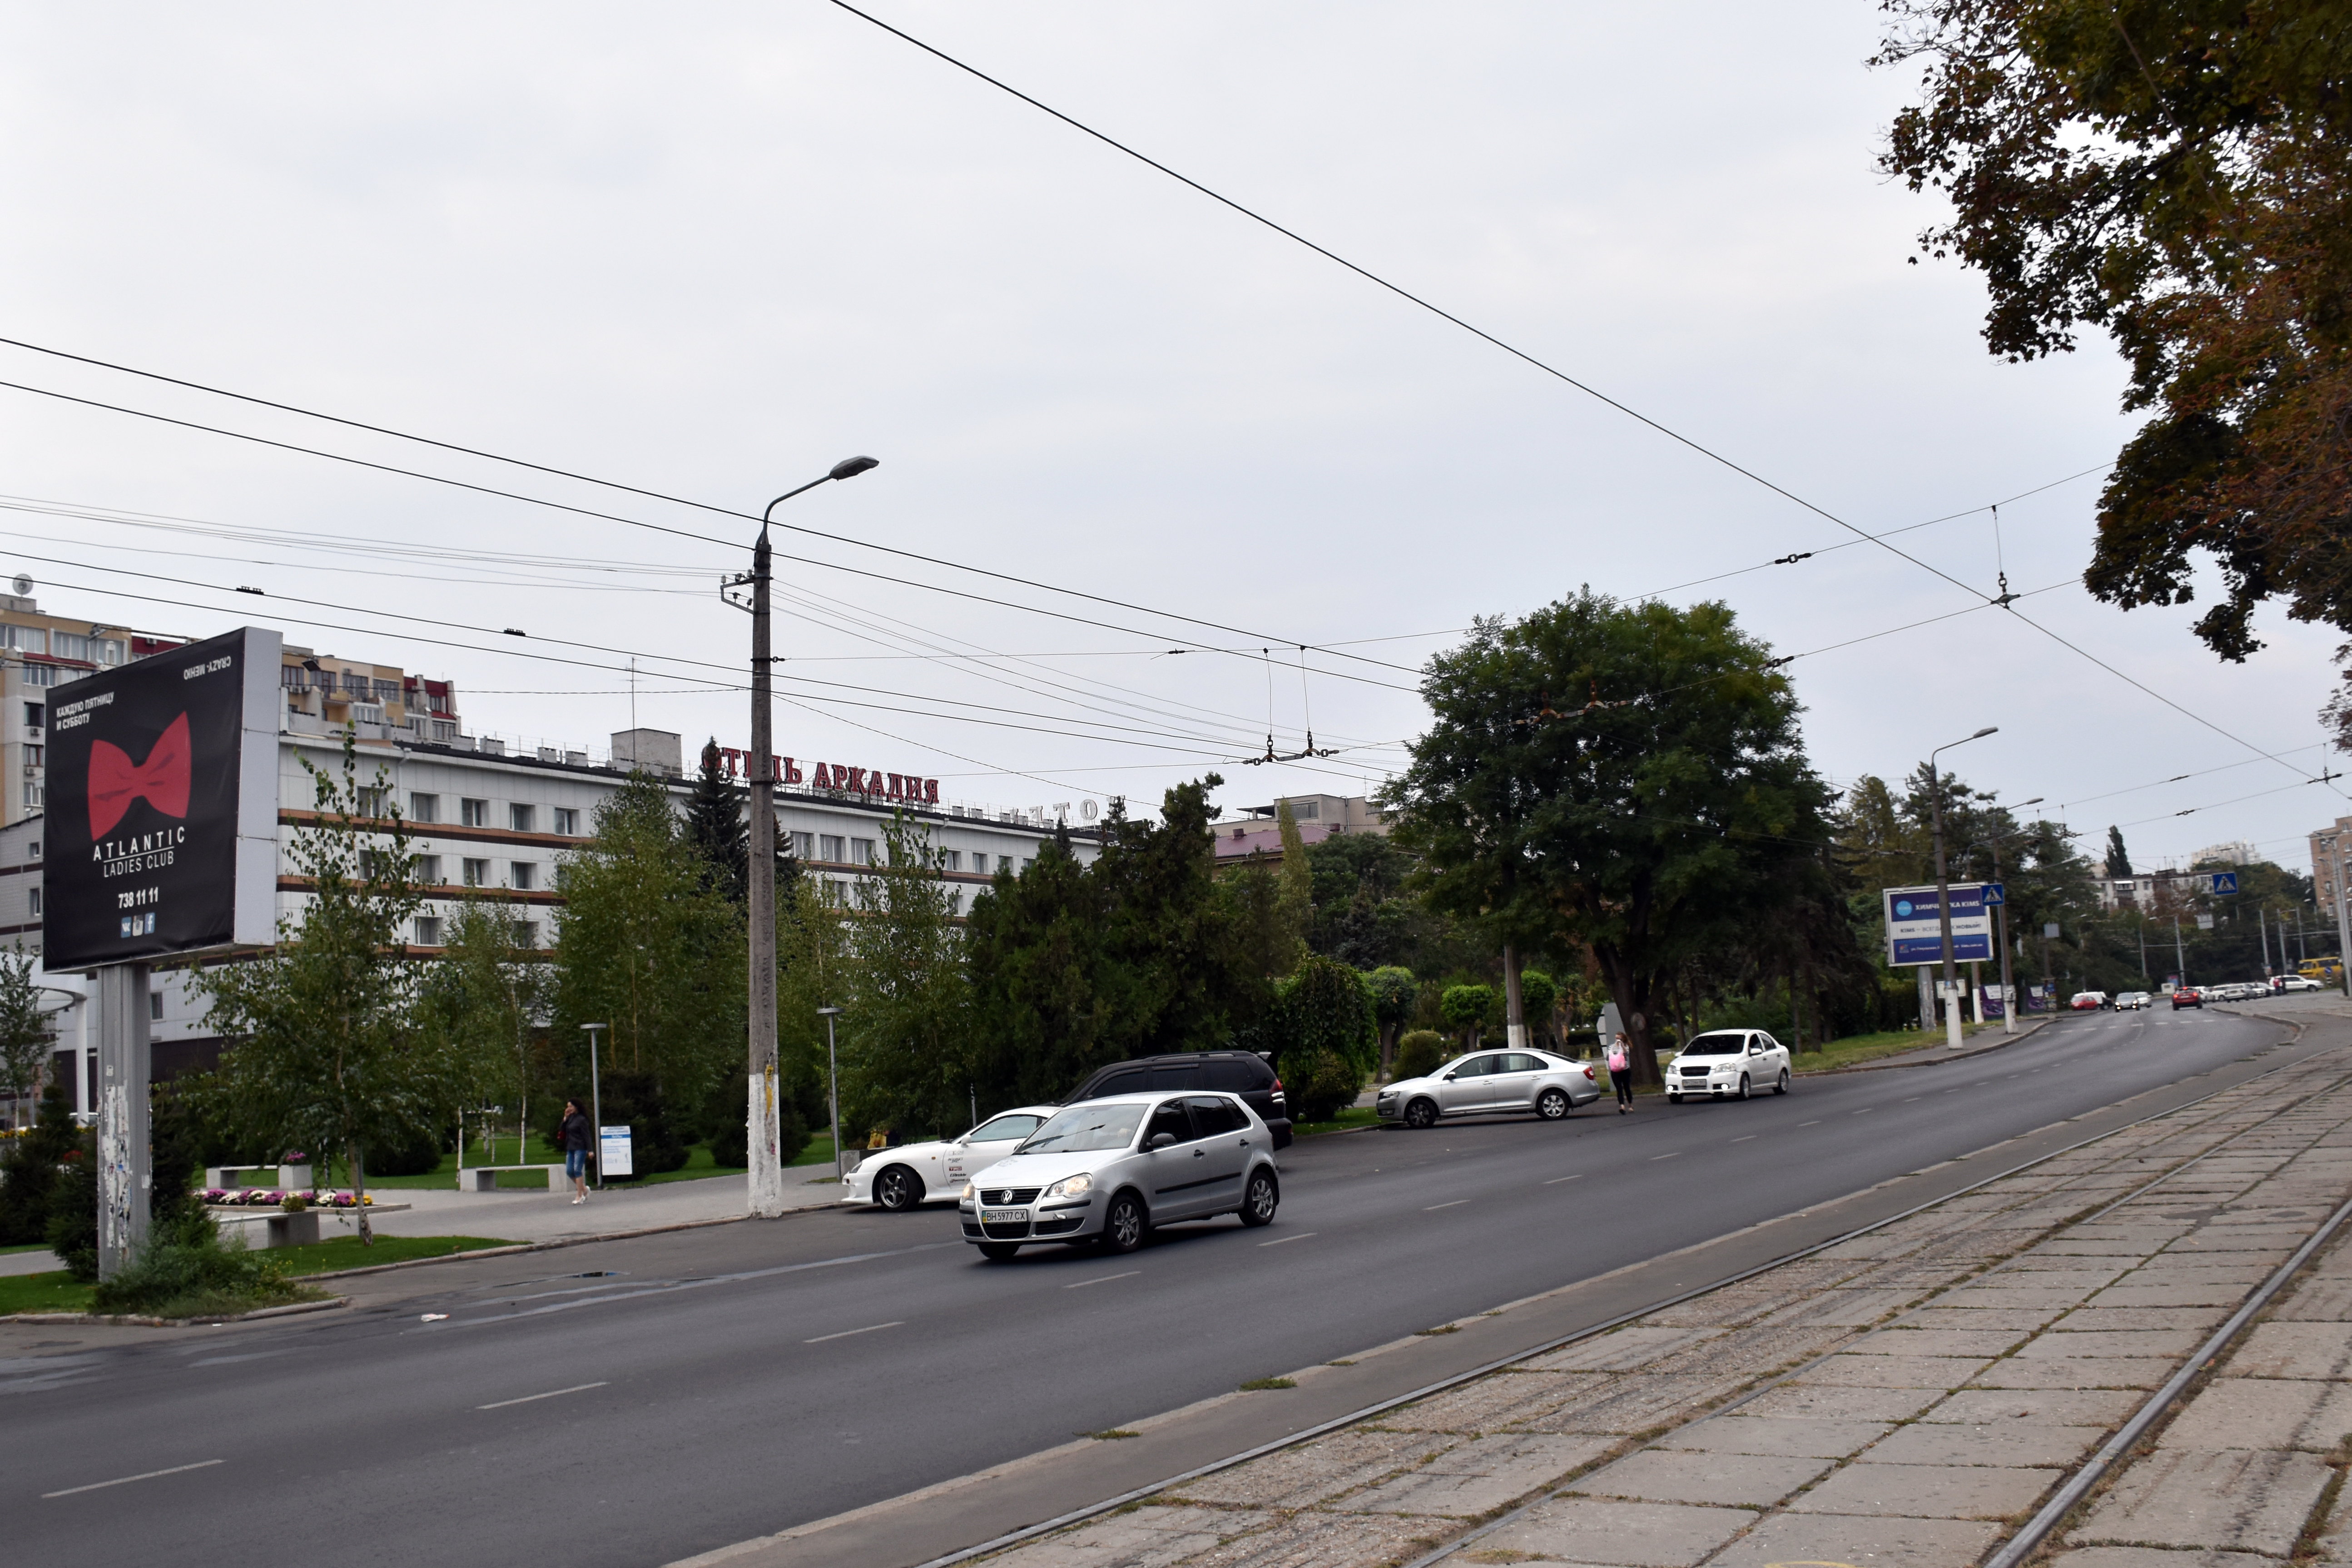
x: 575, y: 1136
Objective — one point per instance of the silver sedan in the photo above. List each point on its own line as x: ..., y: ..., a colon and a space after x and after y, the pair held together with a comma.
x: 1492, y: 1083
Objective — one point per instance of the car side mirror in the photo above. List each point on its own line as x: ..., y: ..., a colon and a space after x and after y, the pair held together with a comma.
x: 1162, y: 1140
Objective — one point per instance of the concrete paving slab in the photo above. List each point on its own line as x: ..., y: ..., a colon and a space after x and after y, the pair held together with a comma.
x: 1806, y: 1401
x: 1624, y: 1351
x: 1479, y: 1477
x: 2078, y: 1372
x: 2153, y: 1557
x: 2133, y: 1292
x: 1885, y: 1543
x: 2020, y: 1296
x: 1926, y: 1491
x: 1147, y: 1538
x: 1626, y: 1404
x: 2262, y: 1413
x: 2002, y: 1443
x: 1313, y: 1539
x: 2019, y: 1320
x: 1655, y: 1474
x: 2321, y: 1301
x: 2294, y: 1350
x: 1315, y: 1471
x: 1491, y: 1404
x: 2068, y: 1340
x: 1620, y: 1534
x: 2182, y: 1267
x: 1745, y: 1434
x: 2102, y: 1407
x: 1839, y: 1309
x: 2234, y: 1501
x: 2199, y: 1319
x: 2051, y: 1273
x: 1896, y: 1371
x: 1897, y: 1339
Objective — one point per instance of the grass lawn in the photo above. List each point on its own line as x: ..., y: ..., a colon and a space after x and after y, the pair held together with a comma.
x: 1353, y: 1116
x: 26, y: 1246
x: 818, y: 1153
x: 1856, y: 1048
x: 43, y: 1293
x: 699, y: 1164
x: 345, y: 1251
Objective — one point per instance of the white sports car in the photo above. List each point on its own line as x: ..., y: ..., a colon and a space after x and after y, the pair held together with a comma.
x: 914, y: 1173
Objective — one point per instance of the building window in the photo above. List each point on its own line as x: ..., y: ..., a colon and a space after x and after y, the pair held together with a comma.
x: 40, y: 675
x: 952, y: 859
x: 428, y: 871
x: 979, y: 862
x: 473, y: 813
x: 424, y: 807
x: 521, y: 875
x: 428, y: 931
x: 33, y: 794
x: 1027, y: 866
x: 520, y: 817
x: 526, y: 934
x: 861, y: 851
x: 829, y: 848
x: 371, y: 802
x: 154, y: 1004
x: 25, y: 639
x: 34, y: 715
x: 476, y: 872
x: 804, y: 846
x: 35, y: 756
x: 567, y: 821
x: 35, y: 895
x: 33, y: 850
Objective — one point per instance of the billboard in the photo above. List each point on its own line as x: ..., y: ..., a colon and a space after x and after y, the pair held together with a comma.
x: 1915, y: 929
x: 161, y: 833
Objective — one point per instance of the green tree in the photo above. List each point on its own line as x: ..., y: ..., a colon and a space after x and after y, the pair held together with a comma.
x: 2118, y: 858
x: 907, y: 1001
x: 28, y: 1171
x: 327, y: 1053
x: 1036, y: 951
x: 1538, y: 998
x: 715, y: 827
x: 1393, y: 990
x: 483, y: 997
x: 2174, y: 172
x: 648, y: 946
x: 1467, y: 1008
x: 25, y: 1033
x: 1329, y: 1042
x: 1648, y: 826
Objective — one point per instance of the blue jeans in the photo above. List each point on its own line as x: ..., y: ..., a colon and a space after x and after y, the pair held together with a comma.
x: 575, y: 1163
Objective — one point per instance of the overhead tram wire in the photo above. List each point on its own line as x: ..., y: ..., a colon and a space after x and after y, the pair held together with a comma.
x: 605, y: 484
x: 1690, y: 443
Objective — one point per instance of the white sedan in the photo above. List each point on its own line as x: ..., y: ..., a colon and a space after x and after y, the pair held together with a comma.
x: 913, y: 1174
x: 1728, y: 1064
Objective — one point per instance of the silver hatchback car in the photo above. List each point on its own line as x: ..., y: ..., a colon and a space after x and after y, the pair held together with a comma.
x: 1104, y: 1172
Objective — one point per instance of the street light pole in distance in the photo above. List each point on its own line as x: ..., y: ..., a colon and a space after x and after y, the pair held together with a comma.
x: 595, y: 1103
x: 2000, y: 919
x: 832, y: 1094
x: 764, y: 1145
x: 1944, y: 885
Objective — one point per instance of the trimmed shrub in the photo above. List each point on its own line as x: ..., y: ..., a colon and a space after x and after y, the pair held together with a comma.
x: 29, y: 1169
x: 72, y: 1231
x: 186, y: 1271
x: 657, y: 1143
x: 1329, y: 1043
x: 1419, y: 1053
x: 413, y: 1151
x: 726, y: 1122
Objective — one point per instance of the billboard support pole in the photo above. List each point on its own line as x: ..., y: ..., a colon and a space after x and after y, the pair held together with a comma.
x: 125, y: 1162
x: 1943, y: 888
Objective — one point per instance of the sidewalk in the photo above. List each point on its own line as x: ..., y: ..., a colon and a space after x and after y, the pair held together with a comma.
x: 1906, y: 1399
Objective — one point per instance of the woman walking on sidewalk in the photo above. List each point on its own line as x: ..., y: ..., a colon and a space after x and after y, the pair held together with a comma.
x: 1621, y: 1073
x: 574, y: 1135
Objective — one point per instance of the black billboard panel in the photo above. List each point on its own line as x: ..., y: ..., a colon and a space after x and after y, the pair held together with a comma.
x: 160, y: 832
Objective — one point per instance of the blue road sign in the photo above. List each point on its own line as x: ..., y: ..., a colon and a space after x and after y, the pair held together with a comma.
x: 2225, y: 882
x: 1995, y: 893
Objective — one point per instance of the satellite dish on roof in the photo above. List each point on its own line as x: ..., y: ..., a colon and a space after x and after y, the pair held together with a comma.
x: 22, y: 585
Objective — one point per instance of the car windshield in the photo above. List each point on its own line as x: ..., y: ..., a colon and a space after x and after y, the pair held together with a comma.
x: 1002, y: 1130
x: 1083, y: 1129
x: 1716, y: 1045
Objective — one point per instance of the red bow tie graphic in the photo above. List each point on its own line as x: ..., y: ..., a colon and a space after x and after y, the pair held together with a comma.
x: 161, y: 781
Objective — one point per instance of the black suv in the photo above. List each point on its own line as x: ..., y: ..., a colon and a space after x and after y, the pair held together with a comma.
x: 1243, y: 1073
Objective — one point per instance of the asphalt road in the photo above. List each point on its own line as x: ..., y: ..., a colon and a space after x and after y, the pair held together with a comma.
x: 728, y: 1383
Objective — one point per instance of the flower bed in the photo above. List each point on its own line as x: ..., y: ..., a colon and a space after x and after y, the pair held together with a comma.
x: 275, y: 1197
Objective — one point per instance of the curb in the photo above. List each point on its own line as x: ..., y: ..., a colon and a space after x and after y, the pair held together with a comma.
x: 1964, y: 1055
x: 522, y: 1246
x: 140, y: 1320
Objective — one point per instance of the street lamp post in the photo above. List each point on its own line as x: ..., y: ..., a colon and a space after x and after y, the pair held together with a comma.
x: 833, y: 1095
x: 767, y: 1178
x: 2000, y: 925
x: 595, y: 1102
x: 1944, y: 886
x: 2342, y: 924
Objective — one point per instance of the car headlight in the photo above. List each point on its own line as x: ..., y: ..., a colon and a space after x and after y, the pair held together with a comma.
x: 1069, y: 1187
x: 967, y: 1193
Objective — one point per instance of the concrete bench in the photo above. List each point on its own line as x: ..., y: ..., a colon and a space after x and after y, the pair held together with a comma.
x: 485, y: 1178
x: 276, y: 1227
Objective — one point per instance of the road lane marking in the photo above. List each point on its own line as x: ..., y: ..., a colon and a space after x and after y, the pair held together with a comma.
x: 1814, y: 1123
x: 1743, y: 1140
x: 1278, y: 1241
x: 225, y: 1359
x: 1456, y: 1204
x: 1913, y: 1100
x: 869, y: 1328
x: 1080, y: 1285
x: 1557, y: 1180
x: 1863, y: 1111
x: 144, y: 1476
x: 1675, y: 1156
x: 551, y: 1393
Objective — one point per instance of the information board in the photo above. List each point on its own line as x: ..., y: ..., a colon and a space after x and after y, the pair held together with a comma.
x: 613, y: 1155
x: 1915, y: 930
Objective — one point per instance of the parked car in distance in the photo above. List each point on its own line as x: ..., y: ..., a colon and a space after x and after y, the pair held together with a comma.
x: 1727, y: 1064
x: 1244, y: 1073
x: 2296, y: 983
x: 2135, y: 1000
x: 2088, y: 1001
x: 914, y: 1173
x: 1106, y: 1172
x: 2188, y: 997
x: 1492, y: 1083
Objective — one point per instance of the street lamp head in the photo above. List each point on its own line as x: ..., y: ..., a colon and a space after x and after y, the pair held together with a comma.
x: 829, y: 1012
x: 850, y: 468
x: 1987, y: 729
x: 592, y: 1029
x: 2023, y: 803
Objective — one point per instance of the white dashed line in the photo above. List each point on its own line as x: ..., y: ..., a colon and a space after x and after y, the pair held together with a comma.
x: 1557, y: 1180
x: 551, y: 1393
x: 1107, y: 1278
x: 1278, y: 1241
x: 144, y: 1476
x: 871, y: 1328
x: 1456, y: 1204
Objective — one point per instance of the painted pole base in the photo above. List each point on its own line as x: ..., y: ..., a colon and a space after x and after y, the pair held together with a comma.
x: 767, y: 1175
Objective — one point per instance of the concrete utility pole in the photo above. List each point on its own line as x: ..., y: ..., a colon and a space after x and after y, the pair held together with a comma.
x: 2343, y: 925
x: 1944, y: 886
x: 767, y: 1175
x: 125, y: 1169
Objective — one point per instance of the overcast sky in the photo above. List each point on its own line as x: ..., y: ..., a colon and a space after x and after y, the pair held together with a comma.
x: 709, y: 250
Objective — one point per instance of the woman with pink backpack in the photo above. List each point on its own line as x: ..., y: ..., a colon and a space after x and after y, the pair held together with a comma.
x: 1621, y: 1073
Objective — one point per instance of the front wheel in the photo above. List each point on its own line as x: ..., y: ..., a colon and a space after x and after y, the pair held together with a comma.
x: 1674, y: 1100
x: 1743, y: 1086
x: 1783, y: 1086
x: 1259, y: 1202
x: 998, y: 1251
x: 1420, y: 1115
x: 1552, y: 1104
x: 1124, y: 1226
x: 897, y: 1189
